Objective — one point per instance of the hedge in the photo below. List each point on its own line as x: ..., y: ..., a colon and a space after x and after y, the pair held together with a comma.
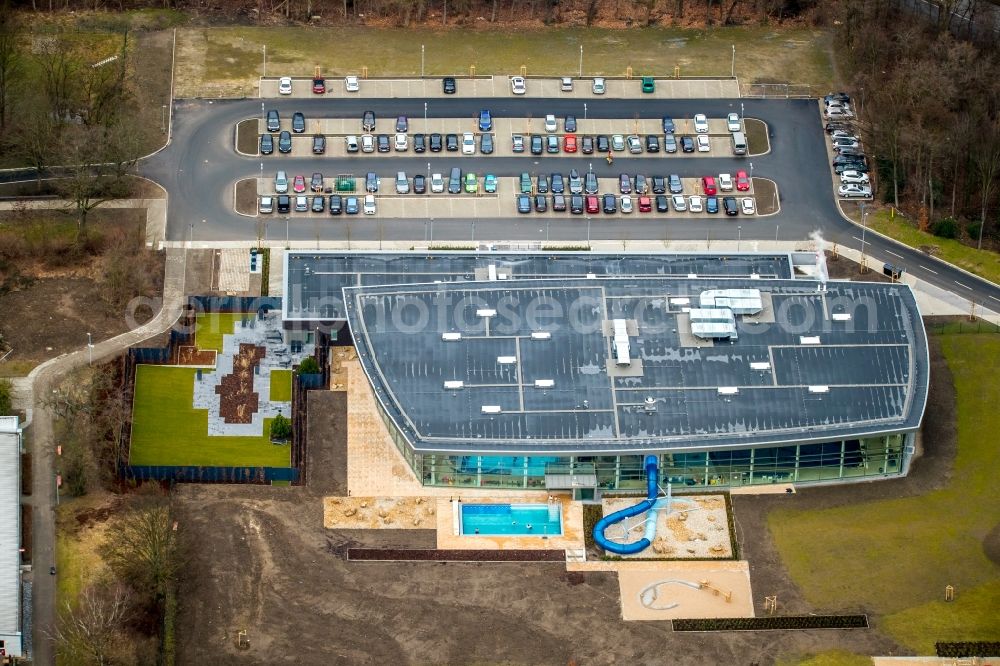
x: 968, y: 649
x: 432, y: 555
x: 782, y: 622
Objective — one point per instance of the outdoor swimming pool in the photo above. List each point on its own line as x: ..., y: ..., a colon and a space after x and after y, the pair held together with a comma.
x: 520, y: 519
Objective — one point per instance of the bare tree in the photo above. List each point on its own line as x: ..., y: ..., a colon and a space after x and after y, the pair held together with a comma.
x: 143, y: 547
x: 92, y: 630
x: 11, y: 70
x: 986, y: 157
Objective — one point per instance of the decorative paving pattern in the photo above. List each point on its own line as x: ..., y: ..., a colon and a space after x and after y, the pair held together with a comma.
x: 237, y: 400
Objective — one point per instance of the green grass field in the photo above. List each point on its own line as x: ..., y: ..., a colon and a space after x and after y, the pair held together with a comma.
x: 167, y: 430
x: 231, y: 59
x: 895, y: 557
x: 210, y: 327
x: 281, y: 385
x: 831, y: 658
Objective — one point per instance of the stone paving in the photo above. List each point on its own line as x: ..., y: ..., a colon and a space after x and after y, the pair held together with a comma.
x: 262, y: 332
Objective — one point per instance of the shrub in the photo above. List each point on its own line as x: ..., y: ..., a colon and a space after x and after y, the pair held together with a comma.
x: 946, y: 227
x: 968, y: 649
x: 6, y: 398
x: 972, y: 229
x: 308, y: 366
x: 782, y: 622
x: 281, y: 429
x: 592, y: 513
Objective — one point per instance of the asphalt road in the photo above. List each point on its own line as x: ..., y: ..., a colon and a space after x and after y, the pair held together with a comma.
x: 200, y: 165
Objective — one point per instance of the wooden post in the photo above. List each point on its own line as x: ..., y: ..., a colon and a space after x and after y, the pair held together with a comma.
x: 949, y: 593
x: 771, y: 604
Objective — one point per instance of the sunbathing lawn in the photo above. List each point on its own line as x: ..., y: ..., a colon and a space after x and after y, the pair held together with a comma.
x: 281, y: 385
x: 211, y: 326
x: 168, y: 430
x: 895, y: 557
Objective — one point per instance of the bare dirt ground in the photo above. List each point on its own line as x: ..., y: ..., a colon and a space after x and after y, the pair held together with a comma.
x: 261, y: 561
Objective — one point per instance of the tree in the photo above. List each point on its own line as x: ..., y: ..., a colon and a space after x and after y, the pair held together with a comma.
x: 986, y: 157
x: 281, y: 429
x: 308, y: 366
x: 11, y: 70
x: 143, y: 547
x: 93, y: 630
x: 6, y: 397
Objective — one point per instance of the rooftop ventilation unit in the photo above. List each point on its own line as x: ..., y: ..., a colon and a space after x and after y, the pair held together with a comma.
x: 760, y: 365
x: 492, y: 271
x: 808, y: 339
x: 728, y: 390
x: 620, y: 343
x: 680, y: 301
x: 819, y: 389
x: 544, y: 383
x: 451, y: 337
x: 486, y: 312
x: 454, y: 384
x: 841, y: 316
x: 541, y: 335
x: 492, y: 409
x: 649, y: 404
x: 740, y: 301
x: 713, y: 323
x: 506, y: 360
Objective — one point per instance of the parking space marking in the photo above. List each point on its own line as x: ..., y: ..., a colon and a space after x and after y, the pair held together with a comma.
x: 963, y: 285
x: 899, y: 256
x: 995, y: 298
x: 927, y: 269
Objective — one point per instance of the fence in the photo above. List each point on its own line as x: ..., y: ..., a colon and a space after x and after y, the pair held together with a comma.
x: 234, y: 303
x: 953, y: 327
x: 198, y: 474
x: 782, y: 90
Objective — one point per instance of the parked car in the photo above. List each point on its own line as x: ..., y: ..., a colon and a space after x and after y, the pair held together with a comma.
x: 351, y: 205
x: 525, y: 183
x: 335, y: 204
x: 679, y: 203
x: 747, y: 206
x: 402, y: 124
x: 708, y: 185
x: 536, y: 144
x: 558, y: 183
x: 319, y: 144
x: 419, y: 143
x: 273, y: 121
x: 566, y: 84
x: 559, y: 203
x: 266, y: 144
x: 835, y: 125
x: 368, y: 121
x: 626, y: 204
x: 550, y: 123
x: 852, y: 177
x: 281, y: 182
x: 576, y: 205
x: 669, y: 143
x: 301, y: 204
x: 575, y: 182
x: 471, y: 183
x: 316, y: 182
x: 382, y: 143
x: 371, y: 182
x: 319, y: 86
x: 648, y: 84
x: 694, y: 204
x: 590, y: 183
x: 652, y: 143
x: 569, y: 143
x: 402, y: 183
x: 569, y: 124
x: 687, y: 144
x: 668, y: 125
x: 598, y: 87
x: 367, y: 143
x: 742, y: 182
x: 836, y: 97
x: 704, y: 145
x: 725, y: 182
x: 542, y: 184
x: 610, y: 204
x: 486, y: 144
x: 700, y: 123
x: 517, y: 143
x: 674, y: 184
x: 730, y: 206
x: 468, y: 143
x: 298, y: 122
x: 617, y: 142
x: 843, y: 134
x: 552, y: 143
x: 352, y: 84
x: 850, y: 166
x: 541, y: 203
x: 517, y: 85
x: 318, y: 204
x: 603, y: 144
x: 662, y: 205
x: 284, y: 203
x: 285, y: 142
x: 645, y: 204
x: 437, y: 183
x: 285, y: 85
x: 641, y: 185
x: 455, y: 181
x: 266, y: 205
x: 369, y: 204
x: 712, y: 205
x: 448, y: 85
x: 401, y: 142
x: 419, y: 184
x: 485, y: 121
x: 299, y: 184
x: 733, y: 122
x: 436, y: 143
x: 845, y: 142
x: 624, y: 183
x: 489, y: 183
x: 451, y: 142
x: 523, y: 203
x: 593, y: 203
x: 853, y: 190
x: 634, y: 145
x: 659, y: 184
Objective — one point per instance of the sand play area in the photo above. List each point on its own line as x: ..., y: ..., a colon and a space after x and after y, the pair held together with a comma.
x: 372, y: 513
x: 696, y: 527
x: 671, y: 590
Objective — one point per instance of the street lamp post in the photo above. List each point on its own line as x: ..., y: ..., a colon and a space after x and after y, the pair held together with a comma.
x: 776, y: 227
x: 864, y: 228
x: 584, y: 110
x: 743, y: 111
x: 739, y: 237
x: 588, y: 231
x: 90, y: 349
x: 425, y: 116
x: 581, y: 61
x: 751, y: 170
x: 734, y: 62
x: 422, y: 62
x: 163, y: 118
x: 286, y: 232
x: 265, y: 62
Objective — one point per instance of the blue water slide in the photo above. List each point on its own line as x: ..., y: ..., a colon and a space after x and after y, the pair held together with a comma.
x: 649, y: 504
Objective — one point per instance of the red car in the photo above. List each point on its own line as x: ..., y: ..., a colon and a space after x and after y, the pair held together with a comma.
x: 742, y: 182
x: 299, y: 184
x: 593, y: 203
x: 569, y: 143
x: 319, y: 86
x: 708, y: 185
x: 645, y: 204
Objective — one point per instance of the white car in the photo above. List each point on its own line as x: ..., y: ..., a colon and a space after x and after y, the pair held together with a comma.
x: 694, y: 204
x: 747, y: 206
x: 853, y: 190
x: 550, y: 123
x: 367, y: 143
x: 281, y: 182
x: 517, y: 85
x: 285, y: 85
x: 703, y: 144
x: 401, y: 143
x: 626, y: 204
x: 733, y: 123
x: 351, y: 84
x: 468, y: 143
x: 437, y: 183
x: 598, y: 88
x: 840, y: 144
x: 840, y: 112
x: 369, y: 204
x: 725, y: 182
x: 854, y: 178
x: 617, y: 142
x: 266, y: 205
x: 679, y: 202
x: 566, y: 84
x: 842, y: 134
x: 700, y: 123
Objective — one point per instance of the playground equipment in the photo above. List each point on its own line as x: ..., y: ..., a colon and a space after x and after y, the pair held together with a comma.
x: 650, y: 593
x: 650, y: 504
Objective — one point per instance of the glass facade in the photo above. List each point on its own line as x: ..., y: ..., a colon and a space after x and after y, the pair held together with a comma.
x: 802, y: 463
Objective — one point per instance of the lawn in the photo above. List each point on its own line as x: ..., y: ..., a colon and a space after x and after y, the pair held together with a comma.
x: 228, y: 61
x: 210, y: 327
x: 167, y: 430
x: 895, y: 557
x: 281, y: 385
x: 981, y: 262
x: 77, y: 558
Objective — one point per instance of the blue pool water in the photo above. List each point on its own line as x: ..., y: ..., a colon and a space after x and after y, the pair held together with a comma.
x: 523, y: 519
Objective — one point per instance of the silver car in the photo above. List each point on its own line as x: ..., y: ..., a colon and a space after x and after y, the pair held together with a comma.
x: 598, y: 88
x: 618, y: 142
x: 281, y: 182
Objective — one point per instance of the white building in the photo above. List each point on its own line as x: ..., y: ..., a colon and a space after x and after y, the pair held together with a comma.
x: 10, y: 537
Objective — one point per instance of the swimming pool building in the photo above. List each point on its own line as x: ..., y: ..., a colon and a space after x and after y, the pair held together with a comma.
x: 526, y: 370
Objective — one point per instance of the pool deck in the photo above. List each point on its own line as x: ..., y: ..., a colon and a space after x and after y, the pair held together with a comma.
x: 572, y: 525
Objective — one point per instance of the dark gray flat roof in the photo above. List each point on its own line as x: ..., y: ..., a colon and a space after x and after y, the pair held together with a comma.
x: 314, y: 280
x: 827, y: 376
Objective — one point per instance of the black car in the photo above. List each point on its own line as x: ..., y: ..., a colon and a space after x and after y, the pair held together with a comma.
x: 730, y: 205
x: 641, y: 185
x: 285, y: 142
x: 841, y: 97
x: 368, y: 121
x: 687, y: 144
x: 850, y: 166
x: 844, y: 159
x: 652, y: 143
x: 419, y: 184
x: 587, y: 145
x: 712, y: 205
x: 536, y: 144
x: 541, y: 203
x: 576, y: 204
x: 659, y: 185
x: 486, y: 144
x: 336, y: 204
x: 603, y: 144
x: 319, y: 144
x: 402, y: 124
x: 624, y: 183
x: 436, y: 143
x: 835, y: 125
x: 610, y: 203
x: 266, y: 144
x: 316, y: 182
x: 542, y: 186
x: 668, y: 125
x: 570, y: 124
x: 382, y: 142
x: 523, y: 203
x: 419, y: 143
x: 273, y: 121
x: 552, y: 143
x: 451, y: 142
x: 558, y: 184
x: 298, y: 122
x: 448, y: 84
x: 559, y: 203
x: 318, y: 204
x: 662, y: 203
x: 371, y: 182
x: 284, y: 203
